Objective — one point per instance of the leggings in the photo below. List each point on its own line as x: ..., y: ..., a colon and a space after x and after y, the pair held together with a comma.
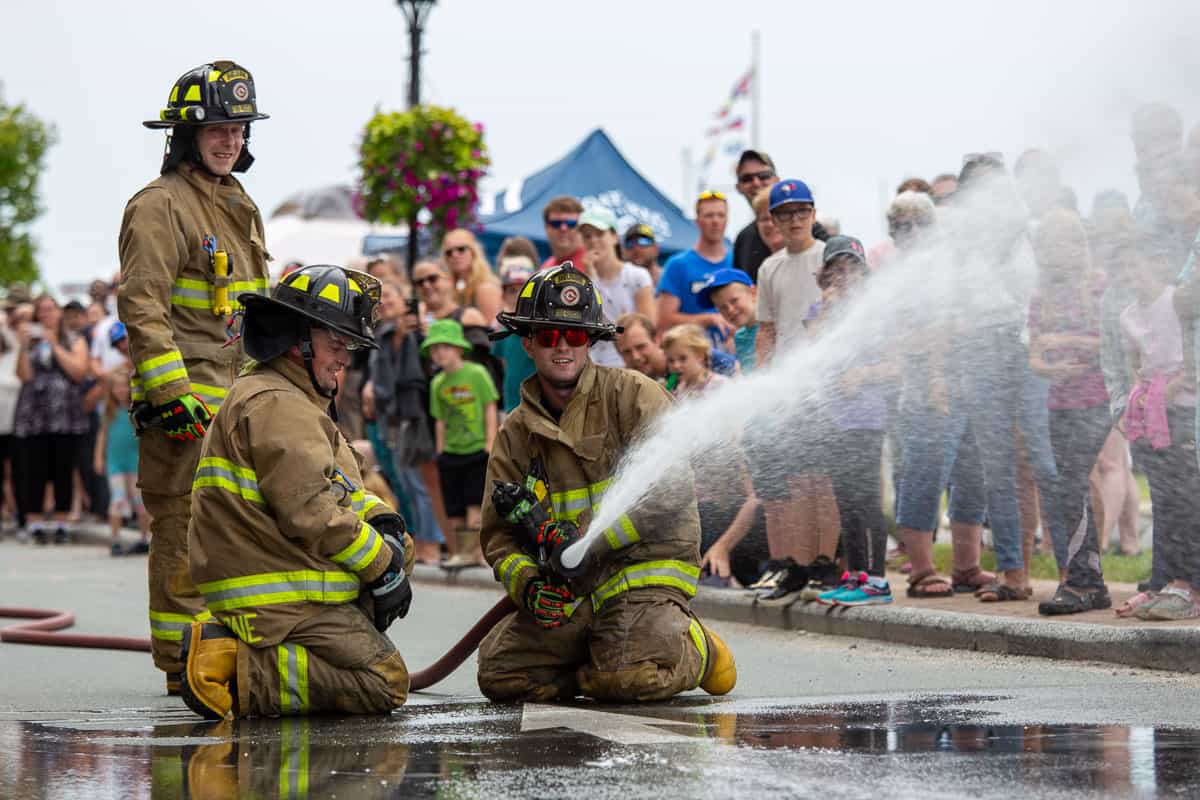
x: 41, y: 459
x: 854, y: 470
x: 1174, y: 493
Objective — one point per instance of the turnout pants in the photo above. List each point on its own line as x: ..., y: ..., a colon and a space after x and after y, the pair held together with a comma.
x: 334, y: 661
x: 643, y: 645
x: 174, y: 600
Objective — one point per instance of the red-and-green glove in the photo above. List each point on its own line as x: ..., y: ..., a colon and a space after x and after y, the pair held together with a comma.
x: 547, y: 603
x: 186, y: 418
x: 553, y: 538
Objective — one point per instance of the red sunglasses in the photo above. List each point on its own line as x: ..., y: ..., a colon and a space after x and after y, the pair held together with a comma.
x: 548, y: 337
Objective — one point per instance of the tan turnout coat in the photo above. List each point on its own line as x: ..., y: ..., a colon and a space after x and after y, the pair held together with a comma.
x: 655, y: 544
x: 280, y: 518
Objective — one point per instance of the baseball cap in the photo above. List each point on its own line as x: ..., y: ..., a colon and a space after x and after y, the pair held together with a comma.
x: 722, y: 277
x: 599, y: 217
x: 642, y: 232
x: 515, y: 270
x: 789, y: 191
x: 116, y: 332
x: 836, y: 246
x: 754, y: 155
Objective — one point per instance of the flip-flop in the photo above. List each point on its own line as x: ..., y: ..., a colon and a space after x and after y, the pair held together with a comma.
x: 969, y: 580
x: 919, y: 583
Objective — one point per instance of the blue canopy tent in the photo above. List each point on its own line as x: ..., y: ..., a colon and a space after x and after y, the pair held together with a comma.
x: 597, y: 174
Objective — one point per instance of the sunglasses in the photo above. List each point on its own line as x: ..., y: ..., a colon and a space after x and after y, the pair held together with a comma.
x: 560, y: 224
x: 710, y: 195
x: 344, y: 342
x: 449, y: 251
x: 764, y: 175
x: 428, y: 280
x: 788, y: 214
x: 548, y: 337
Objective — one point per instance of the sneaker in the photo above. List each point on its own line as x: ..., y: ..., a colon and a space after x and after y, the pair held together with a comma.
x: 866, y: 594
x: 138, y: 548
x: 61, y: 535
x: 770, y: 575
x: 116, y: 549
x: 40, y: 536
x: 23, y: 535
x: 849, y: 583
x: 786, y: 581
x: 823, y: 576
x: 1172, y: 603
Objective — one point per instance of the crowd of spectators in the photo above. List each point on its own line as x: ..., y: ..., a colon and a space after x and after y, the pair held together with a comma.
x: 1029, y: 416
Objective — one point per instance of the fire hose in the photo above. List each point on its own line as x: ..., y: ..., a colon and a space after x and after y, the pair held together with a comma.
x: 46, y: 621
x: 524, y: 504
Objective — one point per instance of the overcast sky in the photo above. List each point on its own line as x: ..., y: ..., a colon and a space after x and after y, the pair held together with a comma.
x: 855, y: 94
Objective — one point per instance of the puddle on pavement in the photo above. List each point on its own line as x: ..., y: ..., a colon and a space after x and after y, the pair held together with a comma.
x: 909, y: 747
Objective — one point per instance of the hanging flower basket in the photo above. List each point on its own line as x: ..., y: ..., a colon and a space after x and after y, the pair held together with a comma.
x: 421, y: 165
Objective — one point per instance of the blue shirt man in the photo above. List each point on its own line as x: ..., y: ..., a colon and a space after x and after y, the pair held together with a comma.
x: 685, y: 274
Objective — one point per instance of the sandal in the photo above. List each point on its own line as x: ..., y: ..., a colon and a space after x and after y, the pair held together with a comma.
x: 1130, y: 606
x: 1067, y: 601
x: 968, y: 581
x: 920, y: 585
x: 1001, y: 593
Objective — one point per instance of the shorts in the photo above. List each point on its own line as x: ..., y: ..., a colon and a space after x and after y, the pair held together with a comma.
x: 463, y: 478
x: 119, y: 501
x: 779, y: 449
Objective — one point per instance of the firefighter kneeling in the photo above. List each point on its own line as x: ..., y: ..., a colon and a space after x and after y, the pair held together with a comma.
x: 303, y: 569
x: 617, y: 626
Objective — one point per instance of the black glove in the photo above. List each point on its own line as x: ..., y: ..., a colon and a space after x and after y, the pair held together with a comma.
x: 389, y: 524
x: 553, y: 538
x: 547, y: 603
x: 391, y: 591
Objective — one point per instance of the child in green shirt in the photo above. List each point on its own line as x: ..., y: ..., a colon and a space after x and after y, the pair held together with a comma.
x: 462, y: 402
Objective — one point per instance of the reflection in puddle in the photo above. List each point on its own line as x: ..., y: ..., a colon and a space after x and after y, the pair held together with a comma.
x: 935, y: 744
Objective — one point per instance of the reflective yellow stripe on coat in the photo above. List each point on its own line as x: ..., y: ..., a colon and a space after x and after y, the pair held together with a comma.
x: 192, y: 293
x: 359, y: 554
x: 509, y: 572
x: 155, y: 372
x: 571, y: 504
x: 169, y: 627
x: 221, y: 473
x: 668, y: 573
x: 273, y: 588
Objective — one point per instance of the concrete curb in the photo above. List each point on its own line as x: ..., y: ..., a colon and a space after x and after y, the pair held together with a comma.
x: 1175, y: 649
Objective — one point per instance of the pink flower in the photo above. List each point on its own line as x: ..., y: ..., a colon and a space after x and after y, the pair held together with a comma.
x: 418, y: 146
x: 478, y: 126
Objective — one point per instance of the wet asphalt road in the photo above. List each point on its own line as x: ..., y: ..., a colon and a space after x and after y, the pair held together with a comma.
x: 811, y: 716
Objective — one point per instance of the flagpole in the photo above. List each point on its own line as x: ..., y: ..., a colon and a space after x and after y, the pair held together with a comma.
x: 687, y: 177
x: 755, y: 79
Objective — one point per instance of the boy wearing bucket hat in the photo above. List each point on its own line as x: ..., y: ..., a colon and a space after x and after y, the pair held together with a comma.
x: 462, y: 400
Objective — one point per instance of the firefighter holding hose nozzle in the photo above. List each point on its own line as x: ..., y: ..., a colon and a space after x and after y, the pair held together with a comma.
x: 616, y: 624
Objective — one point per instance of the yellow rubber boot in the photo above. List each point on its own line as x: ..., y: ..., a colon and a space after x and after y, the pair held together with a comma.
x: 721, y: 675
x: 212, y: 770
x: 210, y: 669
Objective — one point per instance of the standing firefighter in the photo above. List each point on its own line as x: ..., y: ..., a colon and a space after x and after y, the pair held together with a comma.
x: 617, y: 626
x: 283, y: 537
x: 190, y: 242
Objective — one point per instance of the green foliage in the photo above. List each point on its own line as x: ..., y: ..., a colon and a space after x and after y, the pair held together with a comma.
x: 24, y: 140
x: 1117, y: 568
x: 426, y: 161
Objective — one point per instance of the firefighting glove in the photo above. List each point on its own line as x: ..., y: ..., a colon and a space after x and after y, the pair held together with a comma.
x: 391, y: 591
x: 547, y: 603
x: 553, y: 538
x: 390, y: 524
x: 186, y: 418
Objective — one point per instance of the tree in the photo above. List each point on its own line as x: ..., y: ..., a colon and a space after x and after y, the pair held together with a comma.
x: 24, y: 140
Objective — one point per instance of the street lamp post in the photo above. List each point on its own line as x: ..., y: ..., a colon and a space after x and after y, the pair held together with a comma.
x: 416, y: 12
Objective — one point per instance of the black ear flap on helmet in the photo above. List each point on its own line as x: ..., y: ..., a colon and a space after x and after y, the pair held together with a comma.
x: 269, y: 330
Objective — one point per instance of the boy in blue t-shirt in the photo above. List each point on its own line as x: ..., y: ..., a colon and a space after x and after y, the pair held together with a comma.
x: 462, y: 401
